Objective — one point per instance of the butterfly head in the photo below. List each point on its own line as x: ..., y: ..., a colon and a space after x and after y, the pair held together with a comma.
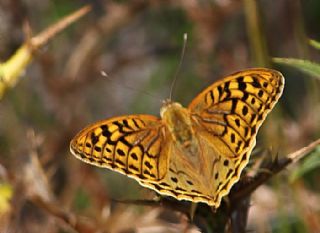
x: 176, y: 118
x: 167, y: 105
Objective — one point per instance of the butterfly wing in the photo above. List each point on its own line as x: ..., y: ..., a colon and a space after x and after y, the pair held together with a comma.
x: 227, y: 116
x: 133, y: 145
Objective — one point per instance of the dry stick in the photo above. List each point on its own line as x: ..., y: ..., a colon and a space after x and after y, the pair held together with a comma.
x: 54, y: 210
x: 69, y: 218
x: 273, y: 169
x: 43, y: 37
x: 13, y: 68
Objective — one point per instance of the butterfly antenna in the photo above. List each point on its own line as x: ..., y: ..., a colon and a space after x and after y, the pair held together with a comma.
x: 185, y: 38
x: 104, y: 74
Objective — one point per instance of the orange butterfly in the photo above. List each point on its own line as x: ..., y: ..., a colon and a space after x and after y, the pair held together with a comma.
x: 195, y: 153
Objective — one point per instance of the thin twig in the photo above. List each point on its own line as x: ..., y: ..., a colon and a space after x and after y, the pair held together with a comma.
x: 43, y: 37
x: 273, y: 168
x: 14, y: 67
x: 72, y: 220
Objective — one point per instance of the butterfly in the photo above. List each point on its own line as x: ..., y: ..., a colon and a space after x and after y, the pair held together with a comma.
x: 195, y: 153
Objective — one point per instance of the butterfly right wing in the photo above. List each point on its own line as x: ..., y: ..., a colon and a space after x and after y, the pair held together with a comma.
x: 227, y: 116
x: 133, y: 145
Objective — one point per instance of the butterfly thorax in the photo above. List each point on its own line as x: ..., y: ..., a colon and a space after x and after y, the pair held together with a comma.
x: 178, y: 121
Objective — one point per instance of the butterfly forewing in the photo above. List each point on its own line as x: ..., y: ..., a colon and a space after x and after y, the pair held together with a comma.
x: 132, y: 145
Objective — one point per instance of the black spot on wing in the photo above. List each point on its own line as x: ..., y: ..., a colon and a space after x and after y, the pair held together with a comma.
x: 120, y: 152
x: 174, y: 179
x: 255, y: 83
x: 237, y: 121
x: 148, y: 165
x: 94, y: 138
x: 226, y: 163
x: 245, y: 110
x: 134, y: 156
x: 242, y: 86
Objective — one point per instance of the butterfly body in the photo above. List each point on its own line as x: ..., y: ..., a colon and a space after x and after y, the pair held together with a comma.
x: 195, y: 153
x: 178, y: 121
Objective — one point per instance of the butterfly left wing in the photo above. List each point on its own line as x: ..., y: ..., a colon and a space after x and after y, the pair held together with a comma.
x: 133, y: 145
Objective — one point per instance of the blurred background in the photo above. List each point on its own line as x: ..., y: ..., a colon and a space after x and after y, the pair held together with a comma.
x: 138, y: 44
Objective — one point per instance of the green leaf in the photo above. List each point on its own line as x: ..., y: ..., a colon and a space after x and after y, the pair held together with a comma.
x: 310, y: 163
x: 305, y: 66
x: 315, y: 44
